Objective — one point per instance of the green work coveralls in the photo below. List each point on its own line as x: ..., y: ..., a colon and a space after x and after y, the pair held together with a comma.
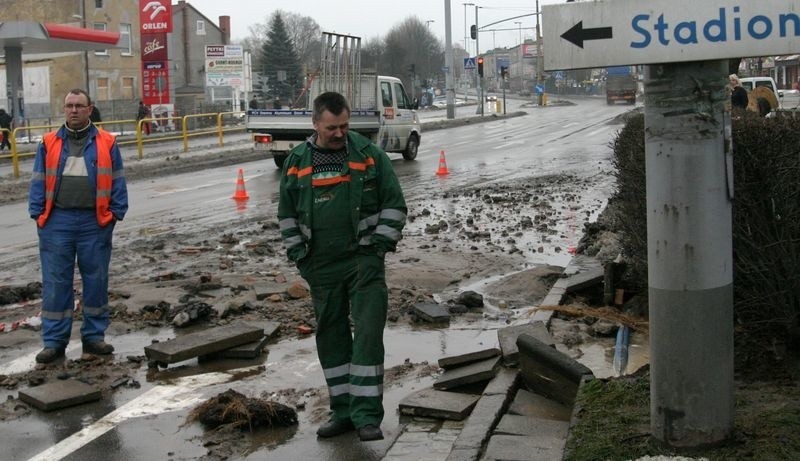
x: 337, y: 230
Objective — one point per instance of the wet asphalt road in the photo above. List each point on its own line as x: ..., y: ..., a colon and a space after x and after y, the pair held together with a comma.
x: 145, y: 423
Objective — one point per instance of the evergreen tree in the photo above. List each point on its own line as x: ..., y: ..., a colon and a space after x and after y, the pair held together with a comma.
x: 280, y: 63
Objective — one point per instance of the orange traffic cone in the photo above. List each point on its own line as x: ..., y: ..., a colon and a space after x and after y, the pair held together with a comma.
x: 241, y: 193
x: 442, y: 165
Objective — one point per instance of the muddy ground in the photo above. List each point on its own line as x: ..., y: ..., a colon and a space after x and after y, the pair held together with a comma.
x: 205, y: 277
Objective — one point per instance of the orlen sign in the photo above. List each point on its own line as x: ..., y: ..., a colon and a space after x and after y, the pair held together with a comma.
x: 155, y: 16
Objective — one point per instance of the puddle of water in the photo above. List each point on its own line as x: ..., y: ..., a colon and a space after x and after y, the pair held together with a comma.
x: 598, y: 355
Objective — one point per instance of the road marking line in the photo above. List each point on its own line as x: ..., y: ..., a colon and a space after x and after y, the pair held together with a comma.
x: 160, y: 399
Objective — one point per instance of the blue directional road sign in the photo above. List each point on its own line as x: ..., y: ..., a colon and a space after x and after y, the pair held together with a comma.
x: 625, y: 32
x: 469, y: 63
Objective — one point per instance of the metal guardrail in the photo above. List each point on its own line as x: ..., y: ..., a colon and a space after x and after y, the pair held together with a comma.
x: 220, y: 124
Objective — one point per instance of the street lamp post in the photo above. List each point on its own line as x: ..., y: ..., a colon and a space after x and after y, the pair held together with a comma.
x: 539, y: 76
x: 521, y: 56
x: 466, y: 48
x: 478, y: 91
x: 428, y: 22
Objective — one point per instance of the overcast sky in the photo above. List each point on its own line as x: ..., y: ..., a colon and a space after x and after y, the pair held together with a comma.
x: 372, y: 18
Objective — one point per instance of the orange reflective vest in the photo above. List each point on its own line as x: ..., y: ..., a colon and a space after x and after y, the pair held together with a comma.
x: 103, y: 143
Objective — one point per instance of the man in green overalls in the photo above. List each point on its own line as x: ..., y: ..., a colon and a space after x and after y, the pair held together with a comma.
x: 341, y: 209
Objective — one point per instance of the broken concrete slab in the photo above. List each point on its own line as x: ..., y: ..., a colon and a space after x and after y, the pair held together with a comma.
x: 528, y: 403
x: 59, y: 394
x: 244, y: 351
x: 250, y: 350
x: 433, y: 403
x: 516, y: 448
x: 505, y: 382
x: 508, y: 339
x: 203, y: 342
x: 548, y: 371
x: 265, y: 289
x: 431, y: 312
x: 468, y: 374
x: 585, y: 278
x: 532, y: 426
x: 470, y: 357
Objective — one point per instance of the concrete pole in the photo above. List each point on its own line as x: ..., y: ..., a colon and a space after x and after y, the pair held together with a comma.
x: 14, y: 83
x: 478, y: 91
x: 448, y: 62
x: 689, y: 251
x: 539, y: 60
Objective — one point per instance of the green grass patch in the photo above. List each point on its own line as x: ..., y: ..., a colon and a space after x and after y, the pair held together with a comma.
x: 613, y: 423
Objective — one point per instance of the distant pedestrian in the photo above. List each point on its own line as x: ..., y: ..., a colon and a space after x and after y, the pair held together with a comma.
x: 253, y: 103
x: 77, y: 194
x: 95, y: 115
x: 276, y: 104
x: 142, y: 113
x: 5, y: 125
x: 738, y: 93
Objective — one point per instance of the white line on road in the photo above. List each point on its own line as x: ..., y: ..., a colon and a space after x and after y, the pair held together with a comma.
x: 160, y: 399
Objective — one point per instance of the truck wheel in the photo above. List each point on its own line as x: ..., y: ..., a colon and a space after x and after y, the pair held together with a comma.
x: 279, y: 159
x: 411, y: 147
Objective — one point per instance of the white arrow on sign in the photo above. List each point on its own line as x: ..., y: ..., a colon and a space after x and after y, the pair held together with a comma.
x: 605, y: 33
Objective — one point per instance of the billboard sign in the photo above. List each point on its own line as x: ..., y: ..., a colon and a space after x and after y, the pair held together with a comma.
x: 155, y: 16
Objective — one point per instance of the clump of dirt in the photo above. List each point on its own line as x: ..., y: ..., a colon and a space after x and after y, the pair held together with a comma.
x: 245, y: 413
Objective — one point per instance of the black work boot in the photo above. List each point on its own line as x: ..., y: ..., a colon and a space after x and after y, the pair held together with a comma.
x: 370, y: 432
x: 335, y: 427
x: 49, y: 354
x: 97, y: 348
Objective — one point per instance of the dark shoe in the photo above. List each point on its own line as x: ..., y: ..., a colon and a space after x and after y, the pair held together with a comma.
x: 49, y: 354
x: 370, y: 432
x: 335, y: 427
x: 98, y: 348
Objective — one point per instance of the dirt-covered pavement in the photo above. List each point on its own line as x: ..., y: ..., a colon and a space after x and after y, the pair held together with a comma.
x: 203, y: 276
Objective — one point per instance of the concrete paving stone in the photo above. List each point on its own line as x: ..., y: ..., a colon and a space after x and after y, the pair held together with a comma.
x: 438, y: 404
x: 548, y: 371
x: 527, y: 403
x: 203, y: 342
x: 516, y: 448
x: 431, y: 312
x: 505, y: 382
x: 479, y: 424
x: 473, y: 373
x: 584, y: 279
x: 59, y: 394
x: 243, y: 351
x: 265, y: 289
x: 532, y: 426
x: 470, y: 357
x: 463, y: 454
x: 250, y: 350
x: 508, y: 339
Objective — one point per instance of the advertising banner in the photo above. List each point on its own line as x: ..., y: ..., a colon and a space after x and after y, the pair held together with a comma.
x: 154, y: 47
x: 155, y: 16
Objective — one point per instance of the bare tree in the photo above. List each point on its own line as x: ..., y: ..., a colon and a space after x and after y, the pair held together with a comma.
x: 413, y: 53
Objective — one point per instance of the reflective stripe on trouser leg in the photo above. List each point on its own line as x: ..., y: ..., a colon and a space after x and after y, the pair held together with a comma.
x: 369, y: 303
x: 334, y: 342
x: 94, y: 256
x: 57, y: 246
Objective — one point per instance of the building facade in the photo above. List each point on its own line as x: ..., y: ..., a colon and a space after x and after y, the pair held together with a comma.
x: 113, y: 77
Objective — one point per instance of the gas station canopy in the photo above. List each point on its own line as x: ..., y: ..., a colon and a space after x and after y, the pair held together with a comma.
x: 37, y: 38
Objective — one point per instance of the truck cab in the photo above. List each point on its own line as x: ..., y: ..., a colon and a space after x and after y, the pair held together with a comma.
x: 380, y: 109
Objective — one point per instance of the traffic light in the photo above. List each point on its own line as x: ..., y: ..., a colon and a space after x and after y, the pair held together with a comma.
x: 473, y: 32
x: 504, y: 72
x: 480, y: 67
